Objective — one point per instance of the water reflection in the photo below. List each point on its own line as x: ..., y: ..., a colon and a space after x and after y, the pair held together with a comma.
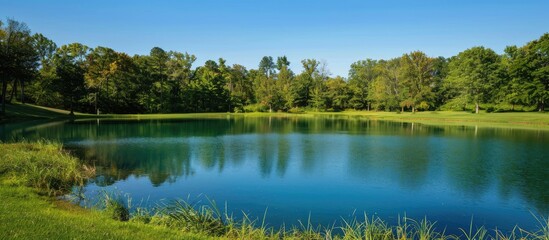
x: 315, y: 163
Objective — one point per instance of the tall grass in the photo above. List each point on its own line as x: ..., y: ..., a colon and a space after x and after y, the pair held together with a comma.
x: 480, y: 233
x: 188, y: 217
x: 207, y: 219
x: 369, y: 228
x: 115, y: 207
x: 42, y: 165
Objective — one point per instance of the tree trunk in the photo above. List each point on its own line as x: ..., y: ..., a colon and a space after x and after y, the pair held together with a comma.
x: 22, y: 92
x: 401, y: 109
x: 541, y: 106
x: 4, y: 90
x: 13, y: 91
x: 107, y: 94
x: 72, y: 107
x: 413, y: 109
x: 476, y: 108
x: 96, y: 109
x: 161, y: 95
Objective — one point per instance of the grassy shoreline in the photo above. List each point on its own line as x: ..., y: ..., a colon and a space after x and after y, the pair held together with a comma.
x: 515, y: 120
x: 33, y: 174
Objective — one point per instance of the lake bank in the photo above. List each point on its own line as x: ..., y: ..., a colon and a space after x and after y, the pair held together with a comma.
x: 32, y: 176
x: 516, y: 120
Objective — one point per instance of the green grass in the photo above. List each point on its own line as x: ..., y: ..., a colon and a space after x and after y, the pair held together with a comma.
x: 32, y: 174
x: 524, y: 120
x: 42, y: 165
x: 18, y: 111
x: 26, y: 215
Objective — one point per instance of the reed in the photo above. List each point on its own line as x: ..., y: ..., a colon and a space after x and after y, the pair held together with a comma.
x: 207, y: 220
x: 115, y: 207
x: 480, y: 233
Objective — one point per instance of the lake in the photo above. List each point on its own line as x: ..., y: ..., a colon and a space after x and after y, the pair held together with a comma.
x: 328, y: 168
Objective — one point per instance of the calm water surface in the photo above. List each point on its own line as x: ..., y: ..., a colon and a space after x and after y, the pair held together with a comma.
x: 323, y: 167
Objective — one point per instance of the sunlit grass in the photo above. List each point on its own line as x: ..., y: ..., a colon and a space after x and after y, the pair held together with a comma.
x: 42, y: 165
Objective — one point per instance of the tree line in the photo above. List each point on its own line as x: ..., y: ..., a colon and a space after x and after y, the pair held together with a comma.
x: 79, y: 78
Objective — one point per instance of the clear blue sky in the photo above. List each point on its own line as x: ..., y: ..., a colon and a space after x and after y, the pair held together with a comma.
x: 339, y: 32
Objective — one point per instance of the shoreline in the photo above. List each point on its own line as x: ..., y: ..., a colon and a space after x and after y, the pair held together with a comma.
x: 506, y: 120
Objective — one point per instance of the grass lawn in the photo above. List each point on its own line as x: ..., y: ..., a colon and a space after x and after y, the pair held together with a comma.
x: 26, y: 215
x: 522, y: 120
x: 18, y: 111
x: 527, y: 120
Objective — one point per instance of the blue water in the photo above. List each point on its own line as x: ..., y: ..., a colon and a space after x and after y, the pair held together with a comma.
x: 323, y: 168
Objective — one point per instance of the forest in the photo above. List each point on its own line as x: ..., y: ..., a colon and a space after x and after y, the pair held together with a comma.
x: 75, y: 77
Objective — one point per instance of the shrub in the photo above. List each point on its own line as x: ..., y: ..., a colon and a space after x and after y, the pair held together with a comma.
x: 296, y: 110
x: 256, y: 108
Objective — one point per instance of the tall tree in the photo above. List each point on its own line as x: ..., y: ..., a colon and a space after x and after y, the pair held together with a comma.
x: 45, y: 48
x: 417, y: 80
x: 42, y: 90
x: 267, y: 66
x: 282, y: 62
x: 539, y: 55
x: 318, y: 91
x: 179, y: 73
x: 18, y: 58
x: 305, y: 82
x: 158, y: 60
x: 361, y: 76
x: 386, y: 90
x: 337, y: 94
x: 285, y: 83
x: 124, y: 93
x: 69, y: 68
x: 100, y: 66
x: 208, y: 92
x: 240, y: 87
x: 513, y: 89
x: 440, y: 73
x: 265, y: 86
x: 179, y: 67
x: 474, y: 72
x: 529, y: 71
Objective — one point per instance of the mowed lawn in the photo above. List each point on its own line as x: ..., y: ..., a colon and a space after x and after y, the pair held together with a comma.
x: 483, y: 119
x: 26, y: 215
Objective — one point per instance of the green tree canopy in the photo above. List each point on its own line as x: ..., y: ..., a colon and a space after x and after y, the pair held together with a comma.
x: 474, y: 72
